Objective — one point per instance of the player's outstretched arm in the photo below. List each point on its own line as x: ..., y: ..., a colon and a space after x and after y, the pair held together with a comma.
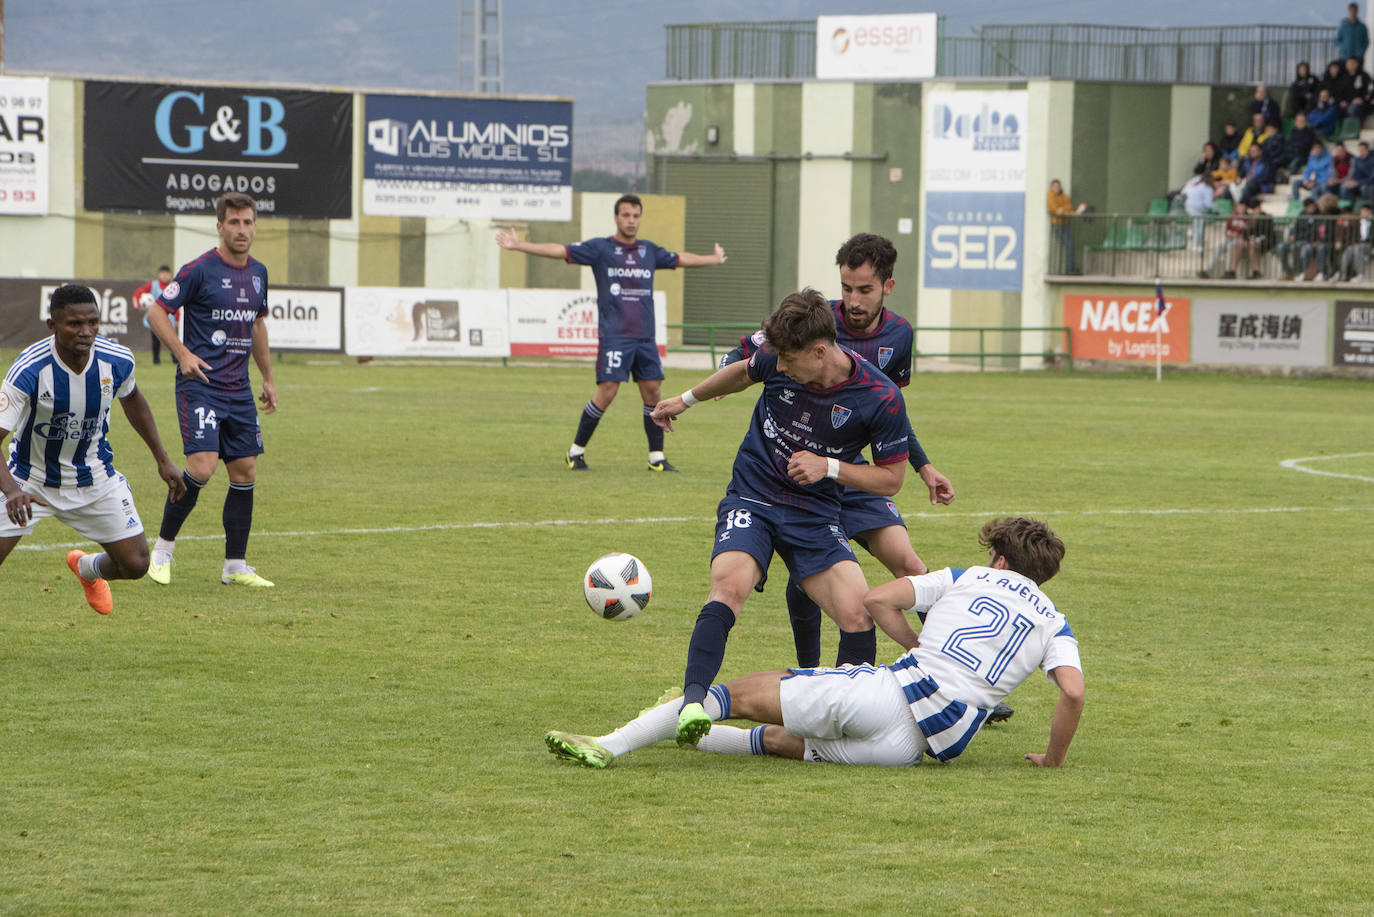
x: 508, y: 240
x: 687, y: 259
x: 262, y: 355
x: 887, y: 605
x: 141, y: 419
x: 188, y: 364
x: 1066, y: 715
x: 730, y: 378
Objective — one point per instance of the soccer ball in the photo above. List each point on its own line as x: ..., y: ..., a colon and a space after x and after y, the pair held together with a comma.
x: 617, y: 586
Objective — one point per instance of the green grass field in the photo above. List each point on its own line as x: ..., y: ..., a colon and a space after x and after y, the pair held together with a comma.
x: 366, y: 737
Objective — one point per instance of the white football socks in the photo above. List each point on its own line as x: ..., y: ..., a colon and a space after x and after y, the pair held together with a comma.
x: 88, y: 567
x: 732, y: 740
x: 162, y: 550
x: 653, y: 726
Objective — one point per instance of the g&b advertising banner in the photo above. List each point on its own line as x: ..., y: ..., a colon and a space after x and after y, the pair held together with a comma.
x: 504, y: 159
x: 174, y: 149
x: 24, y: 145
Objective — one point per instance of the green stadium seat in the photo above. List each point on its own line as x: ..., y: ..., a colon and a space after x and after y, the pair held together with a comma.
x: 1287, y: 127
x: 1224, y: 207
x: 1348, y: 129
x: 1158, y: 206
x: 1294, y: 207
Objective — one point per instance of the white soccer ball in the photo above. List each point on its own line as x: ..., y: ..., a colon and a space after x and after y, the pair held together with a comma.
x: 146, y: 301
x: 617, y: 586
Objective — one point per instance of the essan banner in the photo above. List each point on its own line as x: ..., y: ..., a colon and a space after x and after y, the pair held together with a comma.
x: 900, y: 47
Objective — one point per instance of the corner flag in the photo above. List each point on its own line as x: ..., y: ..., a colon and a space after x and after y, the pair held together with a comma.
x: 1161, y: 307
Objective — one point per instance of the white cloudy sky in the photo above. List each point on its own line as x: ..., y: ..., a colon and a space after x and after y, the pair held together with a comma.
x: 602, y: 54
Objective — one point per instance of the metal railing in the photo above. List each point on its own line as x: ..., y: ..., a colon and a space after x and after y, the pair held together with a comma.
x: 732, y: 331
x: 1213, y: 247
x: 1206, y: 54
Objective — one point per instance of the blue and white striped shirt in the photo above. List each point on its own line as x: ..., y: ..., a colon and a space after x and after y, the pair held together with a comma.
x: 60, y: 418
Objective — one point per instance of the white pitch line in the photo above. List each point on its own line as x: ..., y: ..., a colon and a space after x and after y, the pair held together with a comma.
x: 551, y: 523
x: 1295, y: 465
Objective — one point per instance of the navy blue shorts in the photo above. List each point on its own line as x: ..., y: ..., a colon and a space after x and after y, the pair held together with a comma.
x: 616, y: 361
x: 214, y: 421
x: 806, y: 542
x: 861, y: 512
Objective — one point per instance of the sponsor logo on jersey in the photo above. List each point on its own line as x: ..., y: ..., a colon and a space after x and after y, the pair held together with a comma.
x: 45, y: 396
x: 68, y: 426
x: 219, y: 337
x: 838, y: 415
x: 643, y: 273
x: 787, y: 396
x: 884, y: 357
x: 233, y: 315
x: 226, y: 283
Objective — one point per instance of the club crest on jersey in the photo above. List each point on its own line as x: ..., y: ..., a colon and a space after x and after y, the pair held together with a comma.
x: 838, y: 415
x: 171, y: 291
x: 257, y: 288
x: 641, y: 251
x: 884, y: 356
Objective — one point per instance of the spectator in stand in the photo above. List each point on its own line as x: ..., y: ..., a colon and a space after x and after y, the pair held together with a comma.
x: 1359, y: 86
x: 1299, y: 144
x: 1323, y: 116
x: 1264, y: 106
x: 1352, y: 38
x: 1253, y: 134
x: 1230, y: 139
x: 1337, y: 85
x: 1209, y: 161
x: 1225, y: 175
x: 1295, y: 251
x: 1258, y: 175
x: 1315, y: 174
x: 1259, y: 238
x: 1060, y: 208
x: 1302, y: 92
x: 1272, y: 148
x: 1197, y: 203
x: 1237, y: 227
x: 1357, y: 184
x: 1361, y: 237
x: 1323, y: 240
x: 1340, y: 168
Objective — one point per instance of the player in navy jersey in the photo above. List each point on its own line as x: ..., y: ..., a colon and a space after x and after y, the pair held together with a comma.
x: 821, y: 405
x: 987, y: 629
x: 623, y: 265
x: 223, y: 298
x: 56, y: 399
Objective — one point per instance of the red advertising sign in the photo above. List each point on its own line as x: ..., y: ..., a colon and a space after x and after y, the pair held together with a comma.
x: 1122, y: 327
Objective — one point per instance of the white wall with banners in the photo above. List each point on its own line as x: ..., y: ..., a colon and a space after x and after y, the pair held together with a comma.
x: 896, y: 47
x: 562, y: 323
x: 974, y: 166
x: 25, y: 146
x: 1267, y: 332
x: 425, y: 322
x: 301, y: 318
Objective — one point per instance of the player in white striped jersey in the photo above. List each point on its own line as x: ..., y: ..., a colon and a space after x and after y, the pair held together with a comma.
x: 987, y: 628
x: 56, y: 399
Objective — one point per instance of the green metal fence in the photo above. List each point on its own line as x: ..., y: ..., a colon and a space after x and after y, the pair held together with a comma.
x: 722, y: 337
x: 1203, y: 54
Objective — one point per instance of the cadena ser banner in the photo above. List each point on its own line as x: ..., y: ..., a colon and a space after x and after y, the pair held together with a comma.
x: 464, y: 158
x: 174, y: 149
x: 25, y: 145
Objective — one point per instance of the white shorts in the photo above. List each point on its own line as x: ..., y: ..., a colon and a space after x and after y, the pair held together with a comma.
x: 856, y: 714
x: 107, y: 517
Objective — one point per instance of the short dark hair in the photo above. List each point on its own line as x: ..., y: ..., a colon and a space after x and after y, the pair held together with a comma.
x: 800, y: 320
x: 627, y: 199
x: 868, y: 248
x: 234, y: 200
x: 1029, y: 546
x: 69, y: 294
x: 163, y: 267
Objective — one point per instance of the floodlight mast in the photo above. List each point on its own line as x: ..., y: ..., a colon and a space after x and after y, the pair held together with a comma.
x: 479, y: 46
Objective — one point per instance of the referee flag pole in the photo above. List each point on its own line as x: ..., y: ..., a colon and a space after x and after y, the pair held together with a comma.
x: 1160, y: 308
